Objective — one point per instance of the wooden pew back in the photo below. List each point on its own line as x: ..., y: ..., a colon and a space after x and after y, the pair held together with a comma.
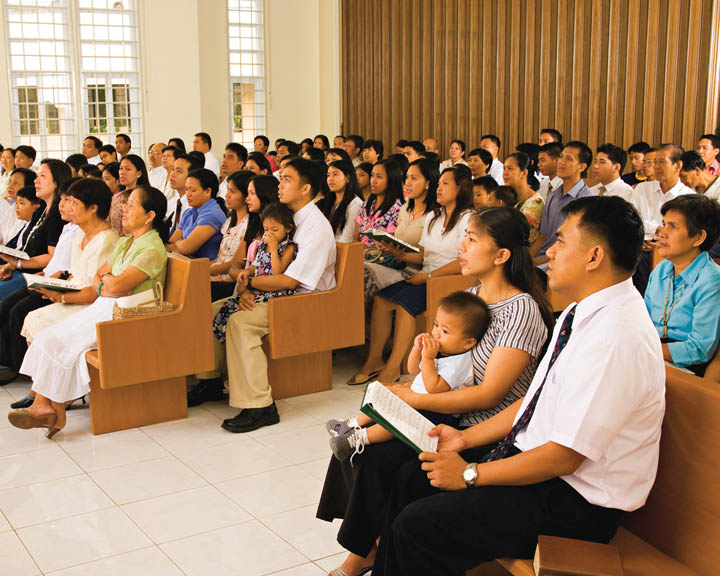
x: 682, y: 514
x: 320, y: 321
x: 157, y: 347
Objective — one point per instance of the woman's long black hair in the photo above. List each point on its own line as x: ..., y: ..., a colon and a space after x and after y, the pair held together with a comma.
x: 338, y: 217
x: 266, y: 189
x: 393, y: 192
x: 509, y: 229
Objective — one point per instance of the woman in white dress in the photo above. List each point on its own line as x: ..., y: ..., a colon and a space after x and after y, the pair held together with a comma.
x: 91, y: 249
x: 56, y: 359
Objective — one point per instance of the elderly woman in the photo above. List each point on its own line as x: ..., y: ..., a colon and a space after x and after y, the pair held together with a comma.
x: 683, y: 292
x: 495, y: 251
x: 56, y: 359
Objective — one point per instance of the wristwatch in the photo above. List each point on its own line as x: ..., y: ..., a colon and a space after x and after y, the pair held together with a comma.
x: 470, y: 474
x: 19, y: 265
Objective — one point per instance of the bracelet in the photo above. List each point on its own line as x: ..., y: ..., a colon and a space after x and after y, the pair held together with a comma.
x: 19, y: 265
x: 62, y: 298
x: 99, y: 288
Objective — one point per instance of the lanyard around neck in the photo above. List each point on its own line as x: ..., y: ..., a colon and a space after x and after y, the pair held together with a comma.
x: 666, y: 312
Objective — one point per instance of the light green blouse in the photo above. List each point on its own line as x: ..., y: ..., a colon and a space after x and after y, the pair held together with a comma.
x: 146, y: 253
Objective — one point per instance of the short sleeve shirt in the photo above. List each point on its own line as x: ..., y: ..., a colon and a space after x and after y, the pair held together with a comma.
x: 456, y: 370
x: 442, y: 247
x: 209, y: 214
x: 146, y: 253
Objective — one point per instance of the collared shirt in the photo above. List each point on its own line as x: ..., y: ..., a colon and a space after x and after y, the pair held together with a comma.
x: 95, y: 160
x: 62, y: 257
x: 648, y: 198
x: 172, y: 204
x: 713, y: 191
x: 547, y: 186
x: 157, y: 177
x: 9, y: 223
x: 695, y: 318
x: 496, y: 170
x: 222, y: 188
x: 553, y: 217
x: 314, y: 264
x: 209, y: 214
x: 211, y: 163
x: 355, y: 162
x: 604, y: 397
x: 449, y: 163
x: 714, y: 167
x: 615, y: 188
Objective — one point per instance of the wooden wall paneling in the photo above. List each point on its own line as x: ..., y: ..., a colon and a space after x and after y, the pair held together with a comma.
x: 476, y: 60
x: 692, y: 57
x: 649, y: 96
x: 597, y: 70
x: 671, y: 72
x: 597, y: 81
x: 709, y: 85
x: 514, y: 95
x: 501, y: 75
x: 489, y: 83
x: 613, y: 133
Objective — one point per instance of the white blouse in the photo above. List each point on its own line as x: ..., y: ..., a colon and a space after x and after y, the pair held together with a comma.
x: 347, y: 234
x: 441, y: 249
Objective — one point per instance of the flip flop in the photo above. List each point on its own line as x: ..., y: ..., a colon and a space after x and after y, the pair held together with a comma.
x: 361, y: 378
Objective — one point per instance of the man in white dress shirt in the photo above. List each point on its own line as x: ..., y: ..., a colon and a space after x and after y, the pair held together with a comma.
x: 312, y: 269
x: 491, y: 143
x: 649, y: 197
x: 91, y: 149
x: 607, y: 168
x: 695, y: 176
x: 353, y: 144
x: 123, y: 144
x: 233, y: 160
x: 203, y: 143
x: 157, y: 175
x: 177, y: 203
x: 548, y: 157
x: 577, y: 451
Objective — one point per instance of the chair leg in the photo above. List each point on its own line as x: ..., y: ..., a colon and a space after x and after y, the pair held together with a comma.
x: 139, y: 405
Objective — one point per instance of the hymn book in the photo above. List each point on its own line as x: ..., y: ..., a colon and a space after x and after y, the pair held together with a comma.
x: 398, y: 418
x: 37, y: 281
x: 19, y: 254
x: 380, y: 236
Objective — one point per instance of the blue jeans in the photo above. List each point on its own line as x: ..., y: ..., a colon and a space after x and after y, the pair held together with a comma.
x: 15, y: 282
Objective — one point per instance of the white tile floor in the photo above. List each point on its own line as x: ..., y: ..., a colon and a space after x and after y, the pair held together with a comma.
x: 182, y: 497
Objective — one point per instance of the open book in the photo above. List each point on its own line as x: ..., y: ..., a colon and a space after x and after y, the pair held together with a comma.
x: 19, y: 254
x: 399, y: 418
x: 379, y: 235
x: 37, y: 281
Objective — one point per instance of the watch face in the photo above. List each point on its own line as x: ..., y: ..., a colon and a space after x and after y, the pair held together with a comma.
x: 469, y: 474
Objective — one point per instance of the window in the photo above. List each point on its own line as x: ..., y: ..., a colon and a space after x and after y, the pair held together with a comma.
x: 64, y: 89
x: 247, y: 69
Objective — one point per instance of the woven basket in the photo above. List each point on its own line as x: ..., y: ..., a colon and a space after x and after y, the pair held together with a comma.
x: 157, y: 306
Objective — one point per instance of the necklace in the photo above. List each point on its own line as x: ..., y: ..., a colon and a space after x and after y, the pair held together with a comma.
x: 666, y: 312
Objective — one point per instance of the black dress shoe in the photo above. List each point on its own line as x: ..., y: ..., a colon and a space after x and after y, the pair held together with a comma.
x: 205, y: 391
x: 23, y: 403
x: 252, y: 419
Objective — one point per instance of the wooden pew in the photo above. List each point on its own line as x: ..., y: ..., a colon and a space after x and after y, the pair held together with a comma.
x: 677, y: 531
x: 306, y: 328
x: 137, y: 372
x: 712, y: 372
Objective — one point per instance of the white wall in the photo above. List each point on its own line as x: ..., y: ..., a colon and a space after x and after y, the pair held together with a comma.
x: 185, y: 70
x: 303, y: 68
x: 5, y: 107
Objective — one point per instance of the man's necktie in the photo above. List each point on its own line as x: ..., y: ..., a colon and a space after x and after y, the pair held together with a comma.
x: 602, y: 190
x: 503, y: 449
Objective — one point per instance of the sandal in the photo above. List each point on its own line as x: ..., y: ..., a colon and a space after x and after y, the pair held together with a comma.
x: 24, y: 420
x: 359, y: 379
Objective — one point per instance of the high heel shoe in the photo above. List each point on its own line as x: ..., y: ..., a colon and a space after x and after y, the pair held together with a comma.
x: 24, y: 420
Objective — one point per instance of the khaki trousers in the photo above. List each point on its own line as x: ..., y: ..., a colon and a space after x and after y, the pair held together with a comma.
x: 242, y: 357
